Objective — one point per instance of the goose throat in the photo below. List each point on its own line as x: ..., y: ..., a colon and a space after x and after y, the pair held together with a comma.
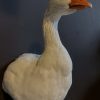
x: 50, y: 29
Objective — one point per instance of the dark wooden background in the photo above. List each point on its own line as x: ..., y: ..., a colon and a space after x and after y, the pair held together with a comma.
x: 21, y: 31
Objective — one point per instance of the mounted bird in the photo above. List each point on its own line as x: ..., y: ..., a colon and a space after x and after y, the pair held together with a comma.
x: 47, y: 76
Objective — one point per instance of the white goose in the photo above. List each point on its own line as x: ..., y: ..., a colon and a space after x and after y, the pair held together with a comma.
x: 47, y: 76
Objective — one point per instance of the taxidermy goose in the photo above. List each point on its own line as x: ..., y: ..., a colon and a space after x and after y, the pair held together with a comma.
x: 47, y: 76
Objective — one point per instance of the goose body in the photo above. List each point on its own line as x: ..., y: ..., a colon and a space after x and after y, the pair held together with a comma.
x: 47, y: 76
x: 27, y: 80
x: 40, y: 77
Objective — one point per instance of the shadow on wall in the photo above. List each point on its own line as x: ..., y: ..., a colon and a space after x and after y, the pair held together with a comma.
x: 98, y: 51
x: 93, y: 92
x: 3, y: 95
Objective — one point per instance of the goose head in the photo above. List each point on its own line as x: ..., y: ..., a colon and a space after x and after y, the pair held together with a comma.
x: 66, y: 7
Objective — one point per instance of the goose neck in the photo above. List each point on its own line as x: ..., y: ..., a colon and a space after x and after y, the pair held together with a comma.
x: 51, y: 35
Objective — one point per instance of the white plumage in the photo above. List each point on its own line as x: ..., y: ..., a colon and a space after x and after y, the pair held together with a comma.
x: 47, y: 76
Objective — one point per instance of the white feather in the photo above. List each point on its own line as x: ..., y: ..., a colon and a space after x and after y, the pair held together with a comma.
x: 41, y: 77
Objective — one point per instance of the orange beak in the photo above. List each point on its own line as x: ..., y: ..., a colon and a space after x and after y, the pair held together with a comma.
x: 79, y: 4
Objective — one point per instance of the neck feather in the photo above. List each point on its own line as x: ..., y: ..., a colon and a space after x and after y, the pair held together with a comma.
x: 51, y: 35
